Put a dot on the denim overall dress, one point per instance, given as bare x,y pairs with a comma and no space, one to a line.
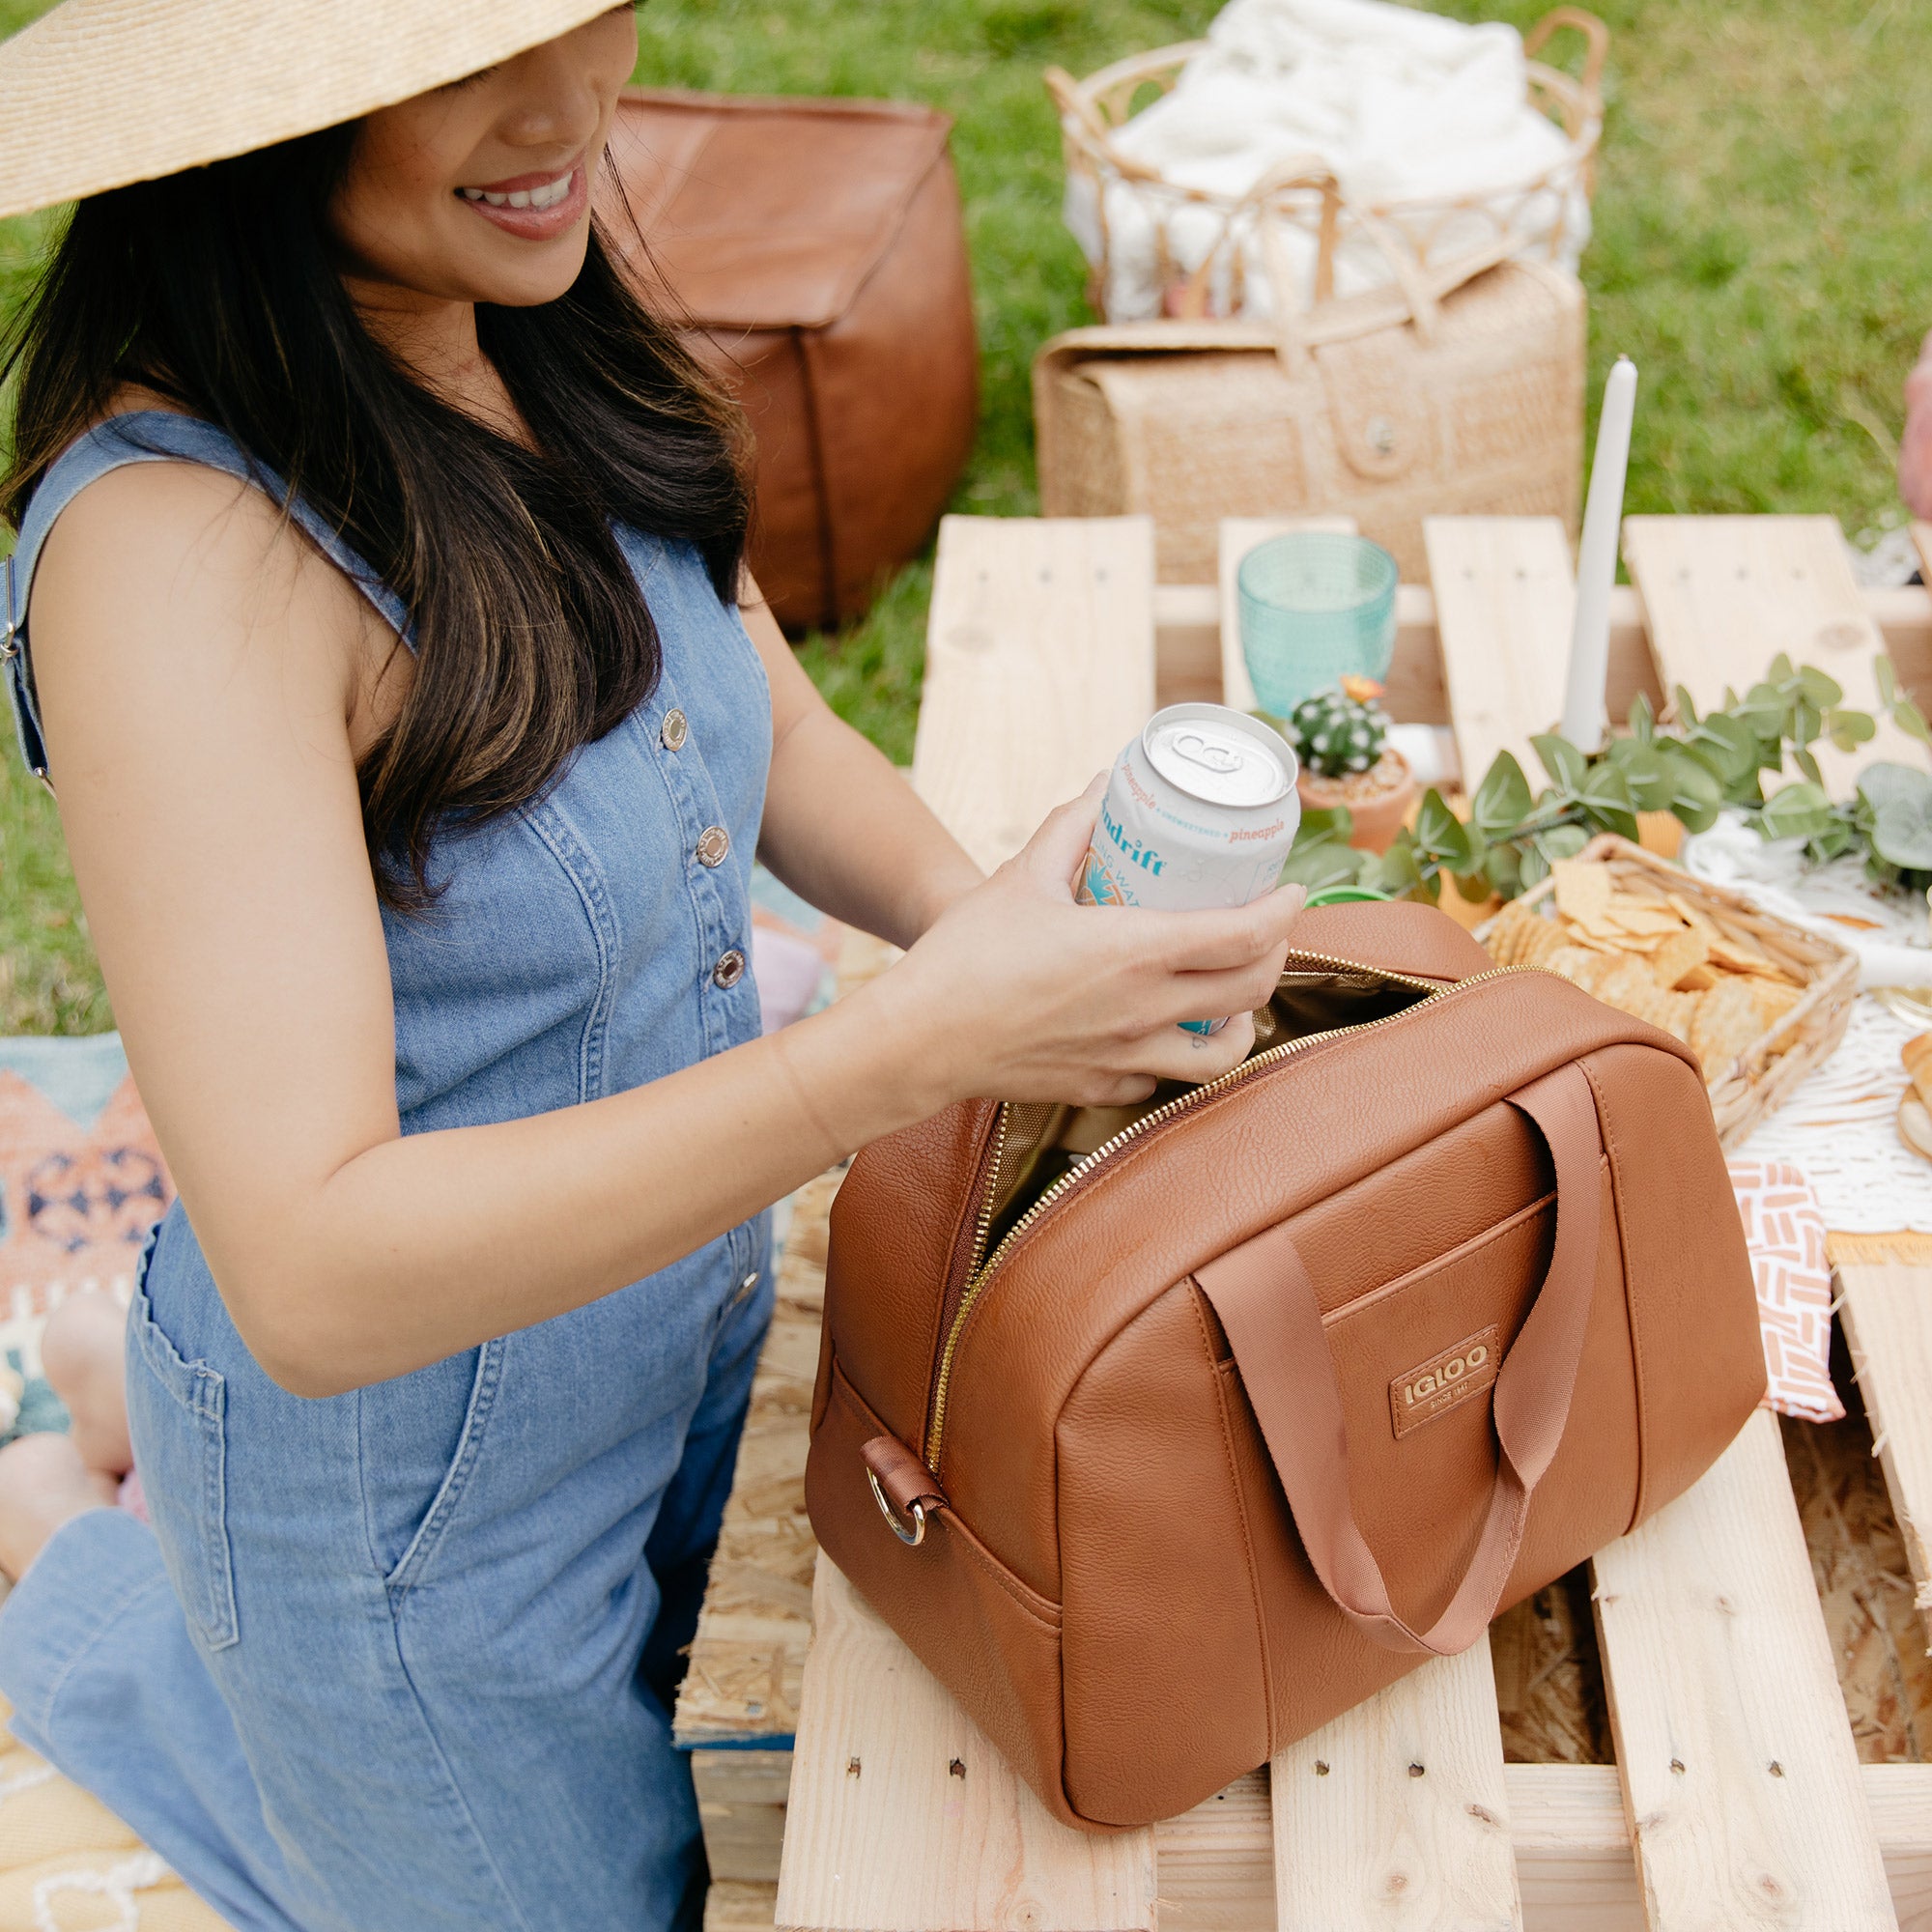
398,1660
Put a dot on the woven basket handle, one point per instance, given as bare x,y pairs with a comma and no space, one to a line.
1593,31
1291,343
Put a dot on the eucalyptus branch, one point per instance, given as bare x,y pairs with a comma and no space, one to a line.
1690,765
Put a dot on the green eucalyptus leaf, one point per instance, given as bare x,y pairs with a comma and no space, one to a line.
1685,708
1807,763
1900,802
1910,719
1642,719
1560,841
1796,812
1849,729
1473,887
1504,798
1335,822
1606,797
1566,765
1886,680
1440,834
1780,669
1820,691
1502,867
1533,869
1322,863
1807,721
1729,746
1695,795
1646,766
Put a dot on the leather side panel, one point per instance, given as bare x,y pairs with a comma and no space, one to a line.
899,1222
1166,1699
898,392
977,1628
1402,937
1692,1304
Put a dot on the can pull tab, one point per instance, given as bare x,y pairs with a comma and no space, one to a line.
1200,749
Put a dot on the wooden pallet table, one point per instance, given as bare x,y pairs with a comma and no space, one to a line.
1737,1799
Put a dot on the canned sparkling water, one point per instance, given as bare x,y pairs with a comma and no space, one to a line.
1200,811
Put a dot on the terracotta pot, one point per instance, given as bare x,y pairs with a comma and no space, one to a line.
1379,799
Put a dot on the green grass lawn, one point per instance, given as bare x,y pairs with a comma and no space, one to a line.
1764,250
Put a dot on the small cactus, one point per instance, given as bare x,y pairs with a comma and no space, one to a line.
1340,731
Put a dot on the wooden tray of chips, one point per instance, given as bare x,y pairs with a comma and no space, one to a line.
1760,1001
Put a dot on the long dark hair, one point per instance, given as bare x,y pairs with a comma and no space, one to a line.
217,289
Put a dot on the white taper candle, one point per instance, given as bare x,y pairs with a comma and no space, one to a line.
1586,717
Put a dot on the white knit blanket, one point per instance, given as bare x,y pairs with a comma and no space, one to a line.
1400,104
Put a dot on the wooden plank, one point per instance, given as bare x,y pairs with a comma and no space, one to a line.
1215,1865
1238,537
1505,602
1740,1774
1886,1312
1038,667
904,1819
1725,594
737,1906
1396,1814
1187,617
741,1810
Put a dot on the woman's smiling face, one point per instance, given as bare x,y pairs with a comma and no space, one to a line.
481,191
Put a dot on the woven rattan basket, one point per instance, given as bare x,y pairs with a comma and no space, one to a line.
1092,111
1759,1079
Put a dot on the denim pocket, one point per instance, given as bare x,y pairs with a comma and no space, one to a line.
185,1474
484,1383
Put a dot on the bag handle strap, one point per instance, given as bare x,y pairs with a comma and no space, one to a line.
1272,1317
1265,199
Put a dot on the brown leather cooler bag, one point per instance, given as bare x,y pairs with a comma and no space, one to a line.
818,249
1299,1378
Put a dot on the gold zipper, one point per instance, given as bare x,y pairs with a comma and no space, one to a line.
978,1272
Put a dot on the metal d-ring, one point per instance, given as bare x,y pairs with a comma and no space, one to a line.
911,1538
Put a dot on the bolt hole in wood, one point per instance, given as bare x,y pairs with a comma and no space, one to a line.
1549,1669
956,1768
1415,1770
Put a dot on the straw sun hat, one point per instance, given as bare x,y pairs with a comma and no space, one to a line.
100,93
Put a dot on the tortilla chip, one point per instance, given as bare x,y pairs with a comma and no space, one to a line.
1579,967
1642,916
1678,956
1582,889
1726,1024
1772,999
1694,917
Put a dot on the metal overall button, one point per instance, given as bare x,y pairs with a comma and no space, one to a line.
714,842
729,971
676,730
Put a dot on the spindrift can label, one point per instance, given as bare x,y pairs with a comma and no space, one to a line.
1200,811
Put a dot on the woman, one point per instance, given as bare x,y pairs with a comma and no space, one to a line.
380,561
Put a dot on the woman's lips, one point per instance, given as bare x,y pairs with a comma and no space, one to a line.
552,203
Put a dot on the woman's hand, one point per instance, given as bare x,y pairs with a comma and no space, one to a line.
1019,992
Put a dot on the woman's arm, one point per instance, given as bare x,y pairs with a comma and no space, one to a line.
842,829
204,676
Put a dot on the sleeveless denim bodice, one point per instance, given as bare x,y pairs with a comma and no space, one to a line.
574,950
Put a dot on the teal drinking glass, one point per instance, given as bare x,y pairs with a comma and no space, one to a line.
1315,607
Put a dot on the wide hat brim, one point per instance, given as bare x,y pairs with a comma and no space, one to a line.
100,93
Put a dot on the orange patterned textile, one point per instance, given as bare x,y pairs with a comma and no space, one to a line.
1785,1229
81,1177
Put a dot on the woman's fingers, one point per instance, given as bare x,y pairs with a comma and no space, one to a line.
1231,937
1176,1054
1053,854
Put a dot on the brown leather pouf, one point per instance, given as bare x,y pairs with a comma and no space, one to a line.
818,247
